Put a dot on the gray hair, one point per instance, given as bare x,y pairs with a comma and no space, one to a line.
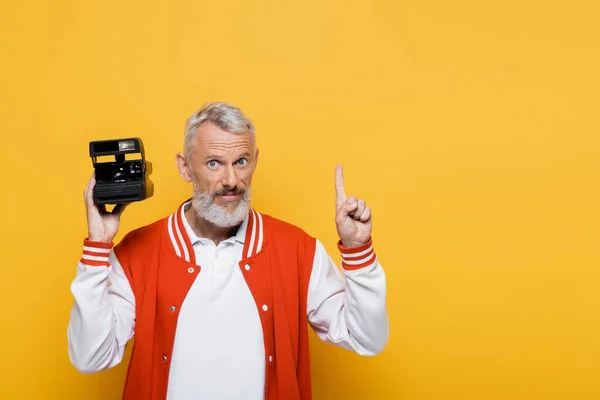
223,115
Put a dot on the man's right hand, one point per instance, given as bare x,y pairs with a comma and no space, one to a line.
102,225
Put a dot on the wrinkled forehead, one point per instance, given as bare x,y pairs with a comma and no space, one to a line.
212,139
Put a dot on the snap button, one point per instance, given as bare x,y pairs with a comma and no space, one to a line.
264,307
164,357
247,267
270,358
173,308
191,270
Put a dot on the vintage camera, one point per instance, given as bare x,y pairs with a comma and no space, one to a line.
122,171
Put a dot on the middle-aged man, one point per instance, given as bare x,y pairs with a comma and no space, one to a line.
218,294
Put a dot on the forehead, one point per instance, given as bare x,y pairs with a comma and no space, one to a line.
211,138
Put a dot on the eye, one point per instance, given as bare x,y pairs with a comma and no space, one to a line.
242,162
212,164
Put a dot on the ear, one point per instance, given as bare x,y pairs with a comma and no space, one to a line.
256,158
184,168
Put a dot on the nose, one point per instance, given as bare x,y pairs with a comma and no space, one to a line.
230,178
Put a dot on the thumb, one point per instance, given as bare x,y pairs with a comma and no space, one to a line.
344,211
88,193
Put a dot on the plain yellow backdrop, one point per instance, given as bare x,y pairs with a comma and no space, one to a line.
470,127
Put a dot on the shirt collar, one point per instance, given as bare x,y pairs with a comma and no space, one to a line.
239,237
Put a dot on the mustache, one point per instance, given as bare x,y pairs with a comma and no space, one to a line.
223,192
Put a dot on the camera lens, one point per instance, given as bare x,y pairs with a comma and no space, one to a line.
119,172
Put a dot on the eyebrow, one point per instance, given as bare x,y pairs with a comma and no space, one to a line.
216,157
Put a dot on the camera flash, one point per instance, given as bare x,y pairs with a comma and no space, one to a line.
126,145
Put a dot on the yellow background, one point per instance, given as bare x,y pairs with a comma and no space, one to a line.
470,127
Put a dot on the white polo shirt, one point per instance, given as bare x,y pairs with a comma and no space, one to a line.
218,351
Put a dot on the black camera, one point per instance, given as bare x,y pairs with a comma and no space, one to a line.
122,171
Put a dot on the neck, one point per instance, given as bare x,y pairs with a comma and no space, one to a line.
205,229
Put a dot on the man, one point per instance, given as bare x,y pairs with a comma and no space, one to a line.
218,294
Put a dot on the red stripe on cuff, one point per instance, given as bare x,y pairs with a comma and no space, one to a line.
348,251
93,263
95,254
352,267
358,258
99,245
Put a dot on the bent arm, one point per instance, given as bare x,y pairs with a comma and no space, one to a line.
102,318
349,309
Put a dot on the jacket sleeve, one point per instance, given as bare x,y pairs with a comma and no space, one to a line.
348,308
102,318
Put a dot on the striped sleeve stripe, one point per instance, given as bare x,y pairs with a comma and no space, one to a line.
94,258
91,263
348,253
358,261
357,257
96,254
95,250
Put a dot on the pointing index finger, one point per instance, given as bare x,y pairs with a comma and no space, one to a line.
340,193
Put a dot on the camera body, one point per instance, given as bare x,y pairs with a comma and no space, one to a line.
121,170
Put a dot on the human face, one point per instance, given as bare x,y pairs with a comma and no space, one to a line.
221,169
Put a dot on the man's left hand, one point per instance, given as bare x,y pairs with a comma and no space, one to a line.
353,217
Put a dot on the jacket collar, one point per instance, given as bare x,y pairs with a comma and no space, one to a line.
251,234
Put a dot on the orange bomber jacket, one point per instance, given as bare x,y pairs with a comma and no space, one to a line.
277,260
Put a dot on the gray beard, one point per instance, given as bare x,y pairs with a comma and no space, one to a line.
205,207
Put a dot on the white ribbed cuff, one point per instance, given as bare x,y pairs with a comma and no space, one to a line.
358,257
95,254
